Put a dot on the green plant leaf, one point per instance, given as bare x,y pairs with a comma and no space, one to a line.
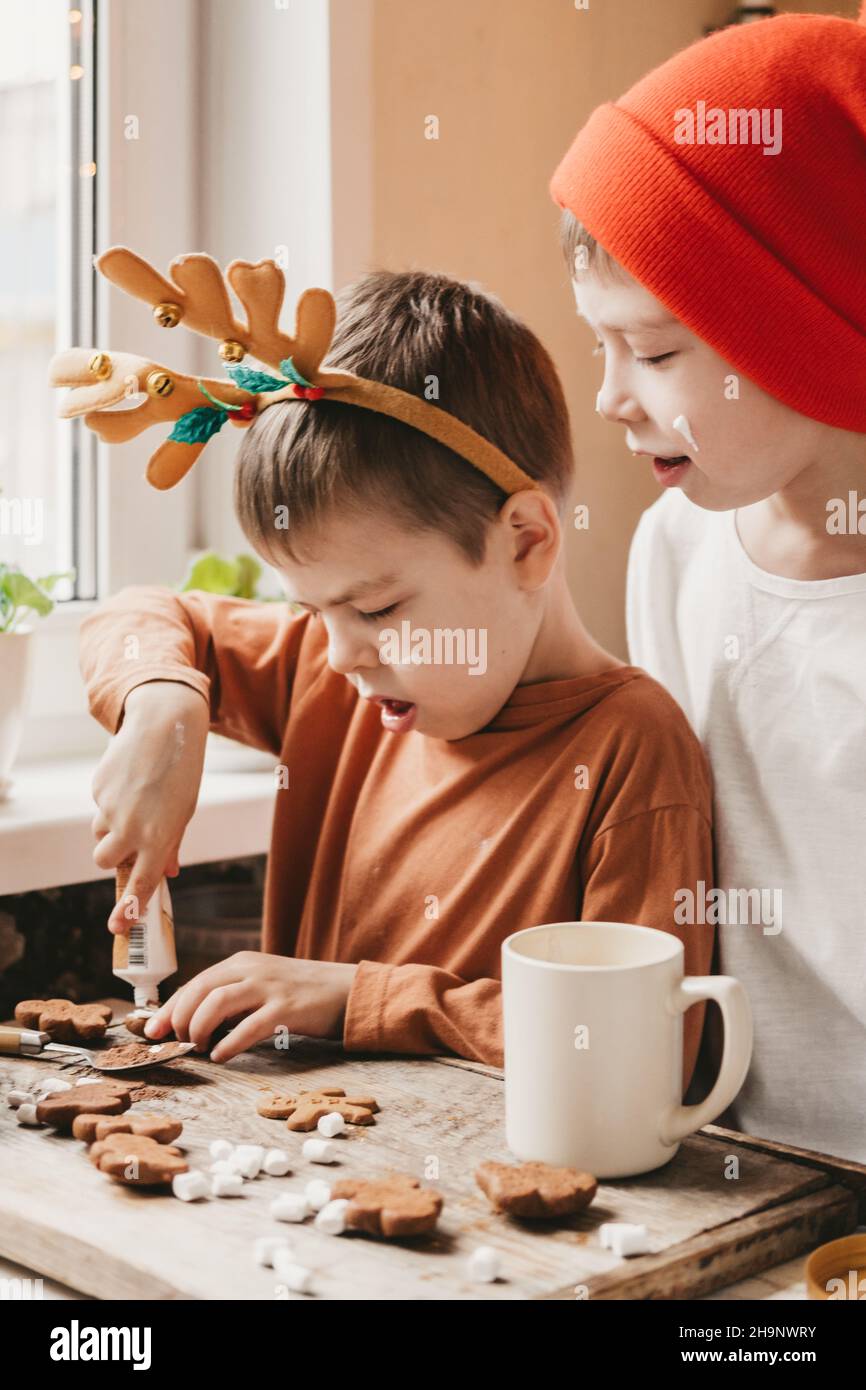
249,574
22,593
50,581
214,574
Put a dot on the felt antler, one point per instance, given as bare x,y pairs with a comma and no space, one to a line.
99,382
196,295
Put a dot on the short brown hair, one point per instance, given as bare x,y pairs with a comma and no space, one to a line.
572,236
406,328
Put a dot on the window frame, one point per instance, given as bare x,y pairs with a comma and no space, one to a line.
149,64
134,535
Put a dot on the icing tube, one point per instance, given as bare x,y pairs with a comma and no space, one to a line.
145,955
682,426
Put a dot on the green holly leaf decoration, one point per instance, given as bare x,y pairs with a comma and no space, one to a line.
250,379
198,426
290,371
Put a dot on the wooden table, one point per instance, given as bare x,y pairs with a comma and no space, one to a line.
439,1118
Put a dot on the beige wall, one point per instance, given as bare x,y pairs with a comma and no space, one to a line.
510,82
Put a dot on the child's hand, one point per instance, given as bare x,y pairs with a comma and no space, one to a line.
146,787
265,992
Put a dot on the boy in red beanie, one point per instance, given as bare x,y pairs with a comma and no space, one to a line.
714,226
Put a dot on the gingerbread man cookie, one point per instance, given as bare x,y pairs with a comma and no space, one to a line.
159,1127
537,1191
304,1110
392,1206
62,1108
63,1020
137,1159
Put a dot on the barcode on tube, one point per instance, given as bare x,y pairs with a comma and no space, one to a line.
137,946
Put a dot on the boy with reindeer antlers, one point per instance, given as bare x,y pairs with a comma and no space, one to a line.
432,802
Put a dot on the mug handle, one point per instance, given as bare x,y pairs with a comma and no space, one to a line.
733,1001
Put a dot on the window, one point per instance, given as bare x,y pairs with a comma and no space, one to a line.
47,201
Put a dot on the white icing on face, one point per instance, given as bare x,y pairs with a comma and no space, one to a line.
597,406
682,426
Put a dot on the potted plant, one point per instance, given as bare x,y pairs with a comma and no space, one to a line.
20,598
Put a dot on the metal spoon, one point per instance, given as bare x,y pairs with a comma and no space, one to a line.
28,1042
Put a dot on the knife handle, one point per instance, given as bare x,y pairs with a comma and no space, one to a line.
22,1041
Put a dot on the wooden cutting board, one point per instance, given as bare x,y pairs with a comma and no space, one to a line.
439,1118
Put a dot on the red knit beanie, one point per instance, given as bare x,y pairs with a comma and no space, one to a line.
762,255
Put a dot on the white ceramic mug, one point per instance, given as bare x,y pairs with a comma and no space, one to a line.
593,1032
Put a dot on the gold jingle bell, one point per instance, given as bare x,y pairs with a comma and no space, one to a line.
158,384
100,365
168,315
231,351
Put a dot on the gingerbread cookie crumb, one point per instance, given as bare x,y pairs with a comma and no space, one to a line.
131,1054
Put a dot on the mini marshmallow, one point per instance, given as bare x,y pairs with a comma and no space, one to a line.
277,1163
247,1159
88,1081
266,1247
623,1238
483,1264
223,1166
682,426
220,1149
319,1150
292,1206
26,1114
227,1185
317,1193
332,1218
294,1276
331,1124
16,1098
51,1084
189,1187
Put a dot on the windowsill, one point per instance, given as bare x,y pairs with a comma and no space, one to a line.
45,835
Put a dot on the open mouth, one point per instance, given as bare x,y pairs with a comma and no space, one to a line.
397,715
668,471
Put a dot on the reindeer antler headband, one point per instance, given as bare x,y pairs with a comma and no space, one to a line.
196,295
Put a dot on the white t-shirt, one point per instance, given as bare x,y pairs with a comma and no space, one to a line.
772,674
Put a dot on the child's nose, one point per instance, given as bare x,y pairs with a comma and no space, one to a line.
348,653
615,403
